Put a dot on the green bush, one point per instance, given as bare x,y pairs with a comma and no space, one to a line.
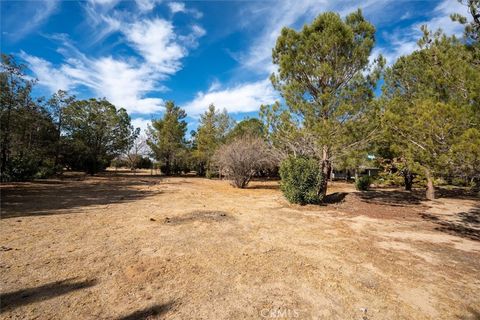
210,174
460,182
301,180
363,183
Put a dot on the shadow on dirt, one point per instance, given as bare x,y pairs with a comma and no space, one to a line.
467,224
471,217
473,315
391,198
12,300
148,313
264,187
336,197
55,196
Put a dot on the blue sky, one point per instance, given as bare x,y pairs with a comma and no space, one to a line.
139,54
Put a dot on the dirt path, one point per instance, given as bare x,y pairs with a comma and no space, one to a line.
145,248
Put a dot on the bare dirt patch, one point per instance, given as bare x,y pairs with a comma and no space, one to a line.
141,247
198,215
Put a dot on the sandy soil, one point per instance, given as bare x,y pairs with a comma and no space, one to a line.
140,247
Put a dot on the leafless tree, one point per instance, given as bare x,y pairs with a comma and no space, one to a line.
242,158
138,150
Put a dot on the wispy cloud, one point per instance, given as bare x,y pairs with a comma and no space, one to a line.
51,77
245,97
27,16
403,41
121,82
128,81
288,13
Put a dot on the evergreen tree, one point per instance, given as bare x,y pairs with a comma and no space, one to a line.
252,127
211,133
431,99
167,139
323,76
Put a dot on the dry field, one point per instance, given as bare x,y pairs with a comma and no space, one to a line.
140,247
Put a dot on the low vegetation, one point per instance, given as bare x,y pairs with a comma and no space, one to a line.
363,183
301,180
241,159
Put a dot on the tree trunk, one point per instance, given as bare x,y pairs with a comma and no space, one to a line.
326,167
430,194
329,175
5,145
408,179
57,146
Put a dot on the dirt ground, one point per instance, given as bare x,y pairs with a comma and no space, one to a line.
140,247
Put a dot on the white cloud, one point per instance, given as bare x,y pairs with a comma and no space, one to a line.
156,41
48,76
126,82
141,123
147,5
104,2
176,7
121,82
14,24
404,41
245,97
289,13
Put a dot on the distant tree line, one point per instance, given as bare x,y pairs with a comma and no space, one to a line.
40,137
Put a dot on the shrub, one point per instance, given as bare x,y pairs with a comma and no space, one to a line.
243,158
301,180
210,174
363,183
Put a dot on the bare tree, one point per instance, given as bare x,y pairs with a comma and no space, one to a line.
138,150
242,158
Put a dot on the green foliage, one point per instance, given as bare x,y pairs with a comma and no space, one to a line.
432,109
252,127
210,174
96,132
472,27
465,156
327,84
56,105
301,180
211,133
363,183
27,133
167,140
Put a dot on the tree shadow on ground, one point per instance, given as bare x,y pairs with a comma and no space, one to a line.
473,314
147,313
55,197
456,193
466,226
15,299
336,197
391,198
264,187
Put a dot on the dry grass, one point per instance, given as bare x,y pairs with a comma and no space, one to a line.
141,247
